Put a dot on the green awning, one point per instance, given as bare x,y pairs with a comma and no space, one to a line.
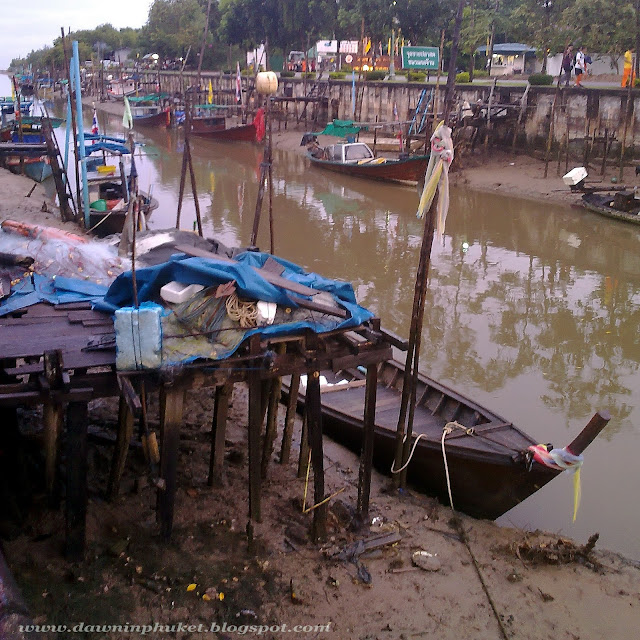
340,128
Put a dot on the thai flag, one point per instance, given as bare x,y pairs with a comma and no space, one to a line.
238,84
94,124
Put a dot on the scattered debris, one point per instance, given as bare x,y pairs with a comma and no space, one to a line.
560,551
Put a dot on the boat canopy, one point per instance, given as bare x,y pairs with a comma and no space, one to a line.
340,128
151,97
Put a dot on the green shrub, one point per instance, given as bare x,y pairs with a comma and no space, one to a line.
462,77
247,72
309,74
347,68
480,73
416,76
287,74
637,82
402,72
337,75
375,75
540,79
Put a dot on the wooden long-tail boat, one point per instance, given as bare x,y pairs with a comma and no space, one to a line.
605,205
357,159
491,468
149,111
214,127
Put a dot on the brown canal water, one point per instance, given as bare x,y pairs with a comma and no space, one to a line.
533,309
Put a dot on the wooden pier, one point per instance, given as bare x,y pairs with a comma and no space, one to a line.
61,357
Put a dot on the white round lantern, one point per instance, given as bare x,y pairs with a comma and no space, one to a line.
267,83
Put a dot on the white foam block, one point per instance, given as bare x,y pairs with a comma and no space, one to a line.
139,337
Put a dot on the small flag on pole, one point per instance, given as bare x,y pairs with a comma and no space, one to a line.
127,118
210,94
94,124
238,84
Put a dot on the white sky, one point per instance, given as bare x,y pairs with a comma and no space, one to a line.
28,25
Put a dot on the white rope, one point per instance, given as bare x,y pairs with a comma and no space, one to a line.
446,430
406,464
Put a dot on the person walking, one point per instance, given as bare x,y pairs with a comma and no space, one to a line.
567,64
580,66
628,74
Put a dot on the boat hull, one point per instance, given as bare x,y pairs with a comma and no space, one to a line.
160,119
242,133
602,204
403,170
488,471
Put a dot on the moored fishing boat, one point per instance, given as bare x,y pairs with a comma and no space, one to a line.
619,206
491,465
150,110
357,159
215,127
109,185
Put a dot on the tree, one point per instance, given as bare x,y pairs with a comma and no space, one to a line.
173,26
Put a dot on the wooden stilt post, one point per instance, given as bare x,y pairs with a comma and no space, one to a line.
255,424
303,456
125,432
171,401
76,500
627,118
314,421
272,420
287,434
52,418
552,119
366,457
218,432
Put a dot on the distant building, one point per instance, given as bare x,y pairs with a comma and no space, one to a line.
510,58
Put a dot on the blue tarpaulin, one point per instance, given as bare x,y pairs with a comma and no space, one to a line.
249,283
53,290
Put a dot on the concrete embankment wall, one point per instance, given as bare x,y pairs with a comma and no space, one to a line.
582,113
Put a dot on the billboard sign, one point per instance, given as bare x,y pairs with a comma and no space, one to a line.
420,58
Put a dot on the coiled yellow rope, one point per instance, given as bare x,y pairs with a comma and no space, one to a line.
244,312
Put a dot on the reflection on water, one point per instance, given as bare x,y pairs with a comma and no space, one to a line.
532,309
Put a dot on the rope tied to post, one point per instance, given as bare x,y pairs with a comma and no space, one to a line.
449,428
437,174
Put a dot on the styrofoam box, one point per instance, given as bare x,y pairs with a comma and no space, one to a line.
574,176
139,337
177,292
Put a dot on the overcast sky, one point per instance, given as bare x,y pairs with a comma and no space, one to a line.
33,24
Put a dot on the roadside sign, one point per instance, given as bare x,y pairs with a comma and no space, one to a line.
420,57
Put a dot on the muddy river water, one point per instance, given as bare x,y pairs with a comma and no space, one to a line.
533,309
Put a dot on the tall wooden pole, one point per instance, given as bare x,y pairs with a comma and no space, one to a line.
627,117
451,78
204,40
413,354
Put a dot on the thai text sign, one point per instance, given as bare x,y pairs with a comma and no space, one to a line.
420,57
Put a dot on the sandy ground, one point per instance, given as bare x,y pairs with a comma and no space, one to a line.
479,581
